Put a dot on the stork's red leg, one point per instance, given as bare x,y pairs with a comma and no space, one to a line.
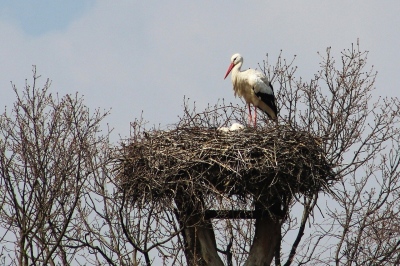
255,116
250,118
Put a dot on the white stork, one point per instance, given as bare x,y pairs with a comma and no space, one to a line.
254,87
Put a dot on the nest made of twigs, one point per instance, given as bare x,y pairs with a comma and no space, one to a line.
201,160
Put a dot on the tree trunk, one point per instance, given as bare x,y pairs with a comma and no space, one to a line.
266,238
198,235
205,234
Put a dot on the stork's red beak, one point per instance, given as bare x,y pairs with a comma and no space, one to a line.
229,70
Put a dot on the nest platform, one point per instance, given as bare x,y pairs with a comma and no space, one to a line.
267,162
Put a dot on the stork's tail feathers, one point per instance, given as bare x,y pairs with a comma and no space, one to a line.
268,106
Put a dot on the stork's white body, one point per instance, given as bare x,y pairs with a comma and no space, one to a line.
248,83
253,86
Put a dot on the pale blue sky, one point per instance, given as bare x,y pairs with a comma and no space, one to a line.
134,55
42,16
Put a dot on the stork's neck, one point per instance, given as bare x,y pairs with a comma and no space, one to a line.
236,70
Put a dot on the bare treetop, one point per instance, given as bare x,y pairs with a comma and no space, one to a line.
320,188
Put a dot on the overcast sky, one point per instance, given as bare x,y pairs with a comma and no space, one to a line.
135,55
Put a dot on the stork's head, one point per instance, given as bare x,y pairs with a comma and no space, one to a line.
235,59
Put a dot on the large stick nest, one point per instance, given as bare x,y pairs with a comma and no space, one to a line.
195,158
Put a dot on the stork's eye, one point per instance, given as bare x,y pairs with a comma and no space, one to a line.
234,59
